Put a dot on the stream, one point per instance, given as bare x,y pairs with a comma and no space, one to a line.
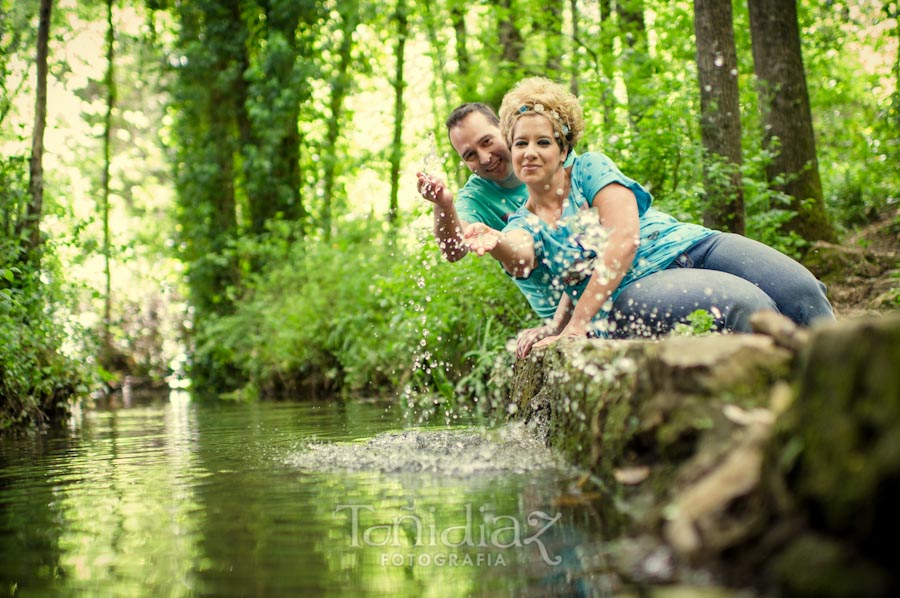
174,498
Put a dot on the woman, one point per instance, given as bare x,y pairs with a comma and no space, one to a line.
609,264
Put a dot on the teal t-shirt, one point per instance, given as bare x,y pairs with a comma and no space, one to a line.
482,200
566,255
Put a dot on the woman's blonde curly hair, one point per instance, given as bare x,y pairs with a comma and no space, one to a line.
543,96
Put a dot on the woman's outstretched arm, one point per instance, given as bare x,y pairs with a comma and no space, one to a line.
513,249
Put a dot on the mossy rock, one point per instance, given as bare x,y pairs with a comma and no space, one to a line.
837,448
608,399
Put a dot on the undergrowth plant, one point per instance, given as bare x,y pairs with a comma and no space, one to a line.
368,313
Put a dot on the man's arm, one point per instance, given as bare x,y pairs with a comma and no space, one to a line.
447,225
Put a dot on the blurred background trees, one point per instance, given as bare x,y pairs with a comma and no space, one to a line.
239,188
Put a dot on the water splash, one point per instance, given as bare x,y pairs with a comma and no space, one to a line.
512,448
431,160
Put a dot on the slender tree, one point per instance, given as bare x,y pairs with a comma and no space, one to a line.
892,11
399,85
607,61
464,77
720,121
271,89
784,102
35,207
506,66
635,62
443,97
105,175
550,22
574,66
510,38
341,85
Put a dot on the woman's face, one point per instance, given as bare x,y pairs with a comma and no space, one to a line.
536,154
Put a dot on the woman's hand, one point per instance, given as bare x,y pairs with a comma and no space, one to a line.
481,238
569,331
528,337
433,189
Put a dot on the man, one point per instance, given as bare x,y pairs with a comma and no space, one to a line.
491,193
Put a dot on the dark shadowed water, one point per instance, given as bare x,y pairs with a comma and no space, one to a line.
175,498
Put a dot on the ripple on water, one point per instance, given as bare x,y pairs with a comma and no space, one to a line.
512,448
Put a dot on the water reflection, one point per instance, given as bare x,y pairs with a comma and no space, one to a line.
175,499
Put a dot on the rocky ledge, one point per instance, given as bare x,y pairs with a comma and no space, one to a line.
770,459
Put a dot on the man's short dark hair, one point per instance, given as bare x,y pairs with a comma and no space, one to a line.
464,110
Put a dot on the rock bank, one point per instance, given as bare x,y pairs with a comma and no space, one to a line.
769,459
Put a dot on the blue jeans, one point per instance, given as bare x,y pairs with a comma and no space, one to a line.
728,275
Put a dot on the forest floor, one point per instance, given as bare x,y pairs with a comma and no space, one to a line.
862,273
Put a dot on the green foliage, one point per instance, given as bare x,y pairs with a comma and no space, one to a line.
699,323
262,123
38,383
366,313
858,139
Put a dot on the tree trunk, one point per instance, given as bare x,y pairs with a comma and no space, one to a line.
107,137
464,66
551,24
607,64
273,176
893,12
399,85
720,121
635,58
575,72
507,66
511,42
340,87
35,208
784,103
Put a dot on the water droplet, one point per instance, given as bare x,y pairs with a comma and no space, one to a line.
431,158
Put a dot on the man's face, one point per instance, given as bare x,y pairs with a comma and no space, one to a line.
479,144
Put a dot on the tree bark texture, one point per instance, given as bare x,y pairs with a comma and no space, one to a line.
550,22
575,72
107,159
635,63
464,66
784,102
340,87
35,208
720,120
399,85
607,63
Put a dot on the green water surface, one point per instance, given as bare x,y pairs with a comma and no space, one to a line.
174,498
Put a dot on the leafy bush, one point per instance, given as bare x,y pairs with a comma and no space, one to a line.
38,383
364,313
